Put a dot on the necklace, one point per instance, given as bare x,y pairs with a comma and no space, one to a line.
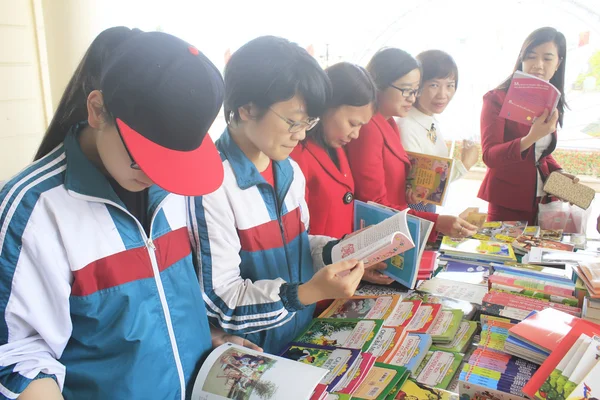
431,132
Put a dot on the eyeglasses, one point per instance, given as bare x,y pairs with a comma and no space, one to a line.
408,92
297,126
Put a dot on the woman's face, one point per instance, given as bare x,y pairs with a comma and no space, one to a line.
542,61
342,124
436,95
397,99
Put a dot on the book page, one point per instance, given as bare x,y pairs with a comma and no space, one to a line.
235,372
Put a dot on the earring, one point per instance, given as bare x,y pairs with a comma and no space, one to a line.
230,120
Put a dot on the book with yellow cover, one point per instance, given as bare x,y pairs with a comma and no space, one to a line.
480,250
429,177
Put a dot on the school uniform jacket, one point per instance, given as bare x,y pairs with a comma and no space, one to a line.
329,189
87,298
380,166
511,178
254,249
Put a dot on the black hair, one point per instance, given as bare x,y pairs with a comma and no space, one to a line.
436,64
536,38
72,107
352,86
390,64
270,69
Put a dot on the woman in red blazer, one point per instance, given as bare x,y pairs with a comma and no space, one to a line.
329,182
519,156
377,158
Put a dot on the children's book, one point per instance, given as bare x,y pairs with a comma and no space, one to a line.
589,387
445,326
479,250
454,290
380,381
524,243
461,340
502,231
544,329
438,368
527,98
403,314
348,333
429,177
337,361
424,318
417,391
236,372
412,351
357,374
362,307
386,343
403,267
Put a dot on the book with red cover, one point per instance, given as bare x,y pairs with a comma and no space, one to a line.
527,97
538,379
544,329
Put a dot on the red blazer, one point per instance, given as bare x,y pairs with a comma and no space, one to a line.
511,178
329,190
380,165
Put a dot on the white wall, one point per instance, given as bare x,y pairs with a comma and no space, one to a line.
22,105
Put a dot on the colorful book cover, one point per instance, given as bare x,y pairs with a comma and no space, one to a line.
429,177
504,231
551,274
357,374
337,360
454,290
424,318
469,309
586,362
412,390
412,351
478,249
589,387
445,326
532,231
379,382
386,342
555,383
362,307
530,283
527,98
544,329
348,333
551,234
438,368
461,340
524,243
403,314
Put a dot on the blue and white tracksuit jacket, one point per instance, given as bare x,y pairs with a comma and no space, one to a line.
86,297
254,249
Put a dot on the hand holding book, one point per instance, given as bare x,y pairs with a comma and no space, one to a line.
334,281
542,126
455,227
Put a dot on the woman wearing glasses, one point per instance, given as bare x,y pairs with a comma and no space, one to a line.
377,158
421,129
257,261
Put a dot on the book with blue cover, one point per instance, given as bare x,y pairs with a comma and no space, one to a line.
403,268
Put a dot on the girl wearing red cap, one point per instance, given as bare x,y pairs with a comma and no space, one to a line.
100,299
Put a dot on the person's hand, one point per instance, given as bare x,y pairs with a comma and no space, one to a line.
469,154
412,197
220,337
373,274
335,281
570,176
544,125
455,227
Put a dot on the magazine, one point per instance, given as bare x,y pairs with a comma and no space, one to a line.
429,177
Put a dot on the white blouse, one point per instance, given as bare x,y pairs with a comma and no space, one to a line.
413,133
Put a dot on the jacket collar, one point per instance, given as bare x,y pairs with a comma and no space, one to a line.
391,136
245,171
343,175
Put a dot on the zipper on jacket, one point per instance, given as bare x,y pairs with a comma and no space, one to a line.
149,244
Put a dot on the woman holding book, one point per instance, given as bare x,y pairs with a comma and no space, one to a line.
518,156
421,131
261,271
321,156
378,160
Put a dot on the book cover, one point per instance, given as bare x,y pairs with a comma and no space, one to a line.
469,310
417,391
544,329
412,351
478,249
558,275
586,362
386,343
589,386
438,368
551,234
337,360
403,313
348,333
429,177
527,97
461,340
379,382
356,375
530,283
362,307
445,326
503,231
424,318
524,244
454,290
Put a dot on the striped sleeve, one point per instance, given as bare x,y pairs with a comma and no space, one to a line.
239,305
34,285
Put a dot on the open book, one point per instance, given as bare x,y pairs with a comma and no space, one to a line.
387,237
527,97
404,266
429,177
235,372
